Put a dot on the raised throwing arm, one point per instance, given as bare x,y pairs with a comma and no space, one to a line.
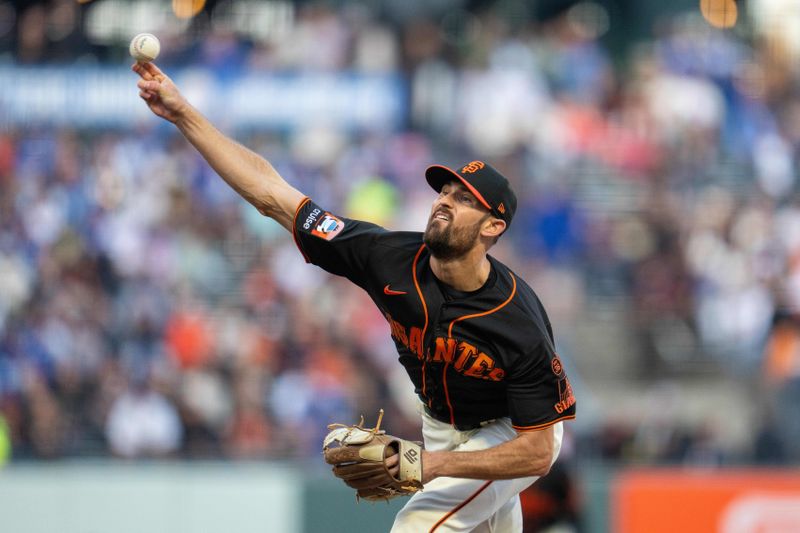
249,174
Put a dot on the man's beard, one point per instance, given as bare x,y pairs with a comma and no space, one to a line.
447,243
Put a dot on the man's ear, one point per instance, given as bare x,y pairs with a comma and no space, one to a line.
493,227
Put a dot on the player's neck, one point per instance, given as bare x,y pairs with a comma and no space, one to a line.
466,273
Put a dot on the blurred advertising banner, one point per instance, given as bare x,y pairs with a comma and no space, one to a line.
706,501
84,96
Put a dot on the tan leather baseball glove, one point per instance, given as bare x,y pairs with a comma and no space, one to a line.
359,455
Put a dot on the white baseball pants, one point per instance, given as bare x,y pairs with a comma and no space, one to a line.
467,505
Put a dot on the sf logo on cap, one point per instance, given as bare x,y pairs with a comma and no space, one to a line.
474,166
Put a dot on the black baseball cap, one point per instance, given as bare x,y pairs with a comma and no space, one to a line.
487,185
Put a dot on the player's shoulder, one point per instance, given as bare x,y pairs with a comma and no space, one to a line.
394,248
401,240
525,308
524,295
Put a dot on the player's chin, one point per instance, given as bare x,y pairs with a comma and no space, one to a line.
432,232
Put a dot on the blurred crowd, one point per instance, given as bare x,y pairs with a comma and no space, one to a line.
146,311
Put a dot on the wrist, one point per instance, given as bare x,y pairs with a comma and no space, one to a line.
431,464
185,116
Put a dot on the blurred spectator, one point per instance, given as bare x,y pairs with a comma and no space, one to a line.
550,503
46,424
248,433
143,423
782,383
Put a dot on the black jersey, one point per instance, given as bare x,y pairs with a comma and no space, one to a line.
471,356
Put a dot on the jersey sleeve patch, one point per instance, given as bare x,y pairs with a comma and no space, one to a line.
327,227
339,245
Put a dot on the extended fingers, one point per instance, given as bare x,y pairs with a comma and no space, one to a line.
393,465
139,69
153,70
148,85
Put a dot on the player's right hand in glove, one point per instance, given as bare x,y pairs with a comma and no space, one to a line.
377,465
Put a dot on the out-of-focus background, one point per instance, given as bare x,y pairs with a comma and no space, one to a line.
168,362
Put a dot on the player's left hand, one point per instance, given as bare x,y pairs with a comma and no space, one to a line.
377,465
392,463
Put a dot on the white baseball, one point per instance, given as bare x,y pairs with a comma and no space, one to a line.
144,47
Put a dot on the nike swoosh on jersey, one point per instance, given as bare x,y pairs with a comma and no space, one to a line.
390,292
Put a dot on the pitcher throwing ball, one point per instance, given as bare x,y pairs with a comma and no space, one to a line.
473,337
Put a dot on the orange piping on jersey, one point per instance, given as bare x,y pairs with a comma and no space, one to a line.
303,202
447,394
465,317
489,312
542,426
424,309
459,506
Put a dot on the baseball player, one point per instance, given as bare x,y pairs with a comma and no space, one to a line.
473,337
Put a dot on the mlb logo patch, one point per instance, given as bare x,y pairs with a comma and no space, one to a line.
328,227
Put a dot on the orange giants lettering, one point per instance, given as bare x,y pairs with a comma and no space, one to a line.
566,398
483,365
411,338
398,330
473,166
416,341
445,348
466,350
467,359
496,375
